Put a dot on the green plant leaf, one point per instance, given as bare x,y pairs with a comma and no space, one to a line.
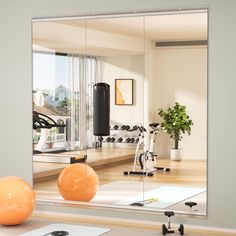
176,121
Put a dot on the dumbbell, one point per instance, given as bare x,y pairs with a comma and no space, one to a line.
123,127
127,127
132,140
108,139
127,140
120,140
115,127
112,140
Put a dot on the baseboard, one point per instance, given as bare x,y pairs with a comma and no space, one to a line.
212,229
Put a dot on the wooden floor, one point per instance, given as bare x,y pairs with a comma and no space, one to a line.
184,173
110,163
96,157
191,173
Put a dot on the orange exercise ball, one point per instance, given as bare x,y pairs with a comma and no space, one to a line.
17,200
78,182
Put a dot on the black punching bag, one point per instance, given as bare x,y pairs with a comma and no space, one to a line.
101,109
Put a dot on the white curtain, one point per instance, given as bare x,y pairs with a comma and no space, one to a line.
82,77
90,81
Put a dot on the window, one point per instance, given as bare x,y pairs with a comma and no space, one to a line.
62,92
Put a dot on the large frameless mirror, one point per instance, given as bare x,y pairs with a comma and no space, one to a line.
152,71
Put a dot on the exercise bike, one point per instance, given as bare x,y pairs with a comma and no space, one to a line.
45,123
146,160
168,229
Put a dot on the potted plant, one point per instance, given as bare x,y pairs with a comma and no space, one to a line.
51,137
176,122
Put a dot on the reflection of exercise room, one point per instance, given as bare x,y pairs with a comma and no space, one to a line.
126,96
117,118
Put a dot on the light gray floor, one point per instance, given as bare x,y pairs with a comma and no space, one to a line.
113,192
200,199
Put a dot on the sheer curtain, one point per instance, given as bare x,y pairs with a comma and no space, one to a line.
82,77
75,75
90,81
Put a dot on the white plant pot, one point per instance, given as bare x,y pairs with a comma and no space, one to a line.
176,154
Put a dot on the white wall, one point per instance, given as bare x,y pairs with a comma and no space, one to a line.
125,67
180,75
45,34
16,95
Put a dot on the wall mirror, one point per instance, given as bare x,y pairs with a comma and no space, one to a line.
155,157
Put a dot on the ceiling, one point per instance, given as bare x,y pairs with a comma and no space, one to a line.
159,27
70,35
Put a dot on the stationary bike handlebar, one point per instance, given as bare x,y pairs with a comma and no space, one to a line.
43,121
142,129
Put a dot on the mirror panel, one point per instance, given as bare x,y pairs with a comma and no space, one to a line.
57,79
176,70
150,63
118,45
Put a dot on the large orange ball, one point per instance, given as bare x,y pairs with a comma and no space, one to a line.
17,200
78,182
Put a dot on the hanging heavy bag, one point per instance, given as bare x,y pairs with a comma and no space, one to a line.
101,109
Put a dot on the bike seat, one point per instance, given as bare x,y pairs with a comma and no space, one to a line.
154,125
169,213
190,204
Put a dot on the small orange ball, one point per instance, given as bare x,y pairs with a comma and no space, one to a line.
17,200
78,182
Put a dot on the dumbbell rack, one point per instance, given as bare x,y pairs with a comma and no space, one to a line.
122,133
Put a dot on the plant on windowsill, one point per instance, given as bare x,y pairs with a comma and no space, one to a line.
176,122
51,137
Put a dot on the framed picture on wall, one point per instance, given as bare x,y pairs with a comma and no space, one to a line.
124,91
